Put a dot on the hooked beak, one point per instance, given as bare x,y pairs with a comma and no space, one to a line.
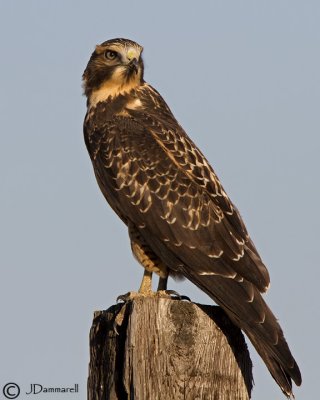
133,65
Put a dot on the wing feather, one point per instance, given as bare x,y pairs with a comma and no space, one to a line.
154,177
164,195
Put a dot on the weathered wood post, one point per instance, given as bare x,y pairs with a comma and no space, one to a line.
167,350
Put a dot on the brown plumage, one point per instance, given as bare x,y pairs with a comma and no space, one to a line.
180,219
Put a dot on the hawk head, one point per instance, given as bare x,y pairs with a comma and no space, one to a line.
115,67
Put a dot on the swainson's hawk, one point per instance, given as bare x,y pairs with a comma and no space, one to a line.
180,220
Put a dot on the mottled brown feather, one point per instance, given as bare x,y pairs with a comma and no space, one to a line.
159,183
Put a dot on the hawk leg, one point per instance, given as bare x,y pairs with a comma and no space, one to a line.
146,283
163,282
149,260
151,263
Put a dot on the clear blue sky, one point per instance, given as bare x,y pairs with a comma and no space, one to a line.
242,77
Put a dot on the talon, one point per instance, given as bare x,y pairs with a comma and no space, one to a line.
124,297
127,297
172,294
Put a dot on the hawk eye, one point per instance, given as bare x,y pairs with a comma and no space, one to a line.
110,55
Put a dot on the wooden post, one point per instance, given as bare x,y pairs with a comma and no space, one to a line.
167,350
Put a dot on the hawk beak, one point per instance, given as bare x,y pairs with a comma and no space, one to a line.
134,65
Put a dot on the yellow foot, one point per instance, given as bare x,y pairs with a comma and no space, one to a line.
133,295
168,294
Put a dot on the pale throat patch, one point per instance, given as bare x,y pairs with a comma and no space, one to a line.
114,86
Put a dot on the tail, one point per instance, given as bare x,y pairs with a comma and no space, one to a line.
279,361
245,306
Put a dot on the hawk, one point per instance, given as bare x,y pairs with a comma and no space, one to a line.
180,220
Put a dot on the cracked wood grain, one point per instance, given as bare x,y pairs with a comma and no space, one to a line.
167,350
